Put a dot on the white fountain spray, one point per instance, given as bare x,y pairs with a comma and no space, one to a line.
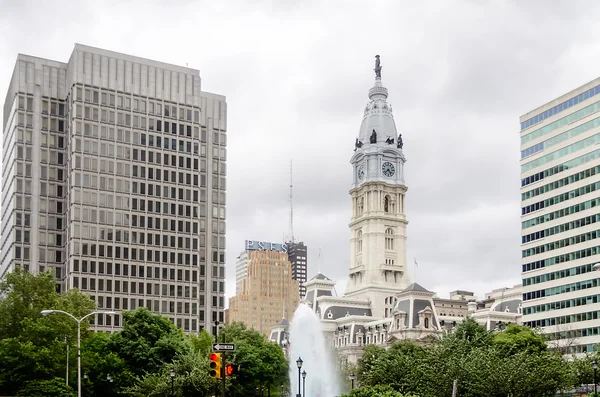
308,342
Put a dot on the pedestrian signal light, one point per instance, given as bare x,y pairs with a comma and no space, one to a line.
231,369
215,365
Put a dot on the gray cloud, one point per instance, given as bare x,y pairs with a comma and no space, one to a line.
296,76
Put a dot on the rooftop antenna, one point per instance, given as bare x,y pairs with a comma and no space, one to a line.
291,225
319,262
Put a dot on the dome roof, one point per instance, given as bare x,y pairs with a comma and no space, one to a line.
377,116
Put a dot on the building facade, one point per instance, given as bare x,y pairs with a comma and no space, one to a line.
297,253
560,180
114,178
267,293
241,264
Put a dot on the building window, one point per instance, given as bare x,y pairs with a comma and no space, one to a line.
389,239
359,241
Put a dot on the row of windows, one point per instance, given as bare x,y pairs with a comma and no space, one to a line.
592,140
562,289
570,318
574,333
588,220
561,182
564,304
586,158
90,163
137,104
586,205
557,275
580,238
560,107
133,287
571,256
561,137
586,111
118,269
140,254
592,187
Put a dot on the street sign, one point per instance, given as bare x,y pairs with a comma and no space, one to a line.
223,347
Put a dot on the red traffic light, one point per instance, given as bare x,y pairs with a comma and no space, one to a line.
213,357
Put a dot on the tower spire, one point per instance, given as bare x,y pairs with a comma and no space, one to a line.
291,225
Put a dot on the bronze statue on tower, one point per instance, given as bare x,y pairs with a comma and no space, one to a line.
377,67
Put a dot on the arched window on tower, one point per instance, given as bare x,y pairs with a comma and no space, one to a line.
388,205
361,205
389,238
359,241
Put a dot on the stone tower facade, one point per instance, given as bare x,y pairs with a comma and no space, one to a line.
378,265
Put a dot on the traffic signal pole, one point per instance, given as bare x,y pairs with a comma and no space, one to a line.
223,373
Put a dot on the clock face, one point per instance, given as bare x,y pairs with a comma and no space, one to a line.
388,169
361,172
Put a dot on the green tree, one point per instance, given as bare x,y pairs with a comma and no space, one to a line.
262,364
202,342
32,346
54,387
519,338
191,378
101,364
376,391
147,341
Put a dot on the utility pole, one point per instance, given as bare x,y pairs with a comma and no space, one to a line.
454,387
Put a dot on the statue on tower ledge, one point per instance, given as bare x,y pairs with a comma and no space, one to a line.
358,144
377,67
400,143
373,138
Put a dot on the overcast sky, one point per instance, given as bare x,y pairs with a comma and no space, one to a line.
296,76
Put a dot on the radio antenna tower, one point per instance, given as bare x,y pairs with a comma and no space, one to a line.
291,225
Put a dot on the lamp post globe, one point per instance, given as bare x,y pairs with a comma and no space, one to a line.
352,377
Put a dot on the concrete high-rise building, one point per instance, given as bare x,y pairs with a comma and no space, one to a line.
267,293
114,177
560,184
297,253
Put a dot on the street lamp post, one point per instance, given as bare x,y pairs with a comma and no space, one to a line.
303,383
299,364
352,377
46,312
172,382
595,366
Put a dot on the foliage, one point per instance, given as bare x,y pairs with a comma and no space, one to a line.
485,364
262,364
191,378
54,387
376,391
519,338
147,341
139,358
33,346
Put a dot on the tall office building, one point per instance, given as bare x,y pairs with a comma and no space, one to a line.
560,183
297,253
114,177
241,264
267,293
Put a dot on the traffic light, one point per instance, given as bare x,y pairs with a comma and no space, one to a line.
215,365
231,369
